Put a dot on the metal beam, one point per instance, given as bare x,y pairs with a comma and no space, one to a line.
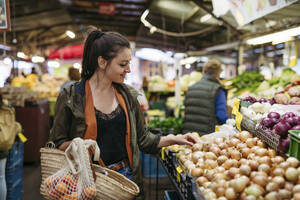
191,14
200,3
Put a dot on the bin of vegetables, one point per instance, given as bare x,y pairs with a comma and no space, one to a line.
294,148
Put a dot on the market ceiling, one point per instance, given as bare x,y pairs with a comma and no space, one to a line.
38,26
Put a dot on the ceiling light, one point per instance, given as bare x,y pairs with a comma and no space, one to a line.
274,36
7,61
54,64
188,60
188,66
70,34
205,18
37,59
282,40
22,55
77,65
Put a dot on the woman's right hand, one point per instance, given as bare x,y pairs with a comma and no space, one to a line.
64,145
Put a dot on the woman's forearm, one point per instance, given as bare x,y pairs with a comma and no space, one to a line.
166,141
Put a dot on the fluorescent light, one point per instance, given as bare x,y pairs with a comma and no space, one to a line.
274,36
22,55
282,40
205,18
54,64
7,61
37,59
70,34
188,60
77,65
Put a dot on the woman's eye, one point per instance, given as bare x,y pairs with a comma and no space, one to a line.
123,65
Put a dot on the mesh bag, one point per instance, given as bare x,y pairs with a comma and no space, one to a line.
75,179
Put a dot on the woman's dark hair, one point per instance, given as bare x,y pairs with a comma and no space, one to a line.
97,44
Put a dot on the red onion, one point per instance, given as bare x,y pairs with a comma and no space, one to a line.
297,127
268,122
274,115
281,128
284,144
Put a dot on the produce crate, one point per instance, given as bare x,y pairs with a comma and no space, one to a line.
294,148
14,171
268,137
248,124
171,195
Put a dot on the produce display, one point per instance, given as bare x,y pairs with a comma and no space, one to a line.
169,124
240,167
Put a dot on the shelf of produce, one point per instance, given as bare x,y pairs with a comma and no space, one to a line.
187,188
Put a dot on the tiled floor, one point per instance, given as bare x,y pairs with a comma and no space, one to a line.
32,179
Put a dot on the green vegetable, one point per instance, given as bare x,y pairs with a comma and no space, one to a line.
169,124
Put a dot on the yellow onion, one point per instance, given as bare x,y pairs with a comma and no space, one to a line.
291,174
211,164
245,170
277,160
228,164
201,180
244,135
278,172
284,194
271,196
250,142
197,147
260,180
260,143
220,169
220,191
221,159
224,152
289,186
296,189
251,156
235,154
215,149
233,142
243,161
271,153
261,152
196,156
233,171
253,164
219,140
293,162
223,145
239,184
296,196
241,146
284,165
265,160
245,152
196,172
272,186
230,194
264,168
279,180
210,155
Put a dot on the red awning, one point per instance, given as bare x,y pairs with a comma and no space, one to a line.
68,52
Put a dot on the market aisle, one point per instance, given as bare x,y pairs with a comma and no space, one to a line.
32,179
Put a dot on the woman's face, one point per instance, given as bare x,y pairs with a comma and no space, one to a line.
119,66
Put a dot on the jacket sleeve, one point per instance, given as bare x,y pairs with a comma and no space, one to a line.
62,120
147,141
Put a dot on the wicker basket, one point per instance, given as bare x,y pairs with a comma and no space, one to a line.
110,186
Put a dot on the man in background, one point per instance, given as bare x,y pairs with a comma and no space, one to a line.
205,101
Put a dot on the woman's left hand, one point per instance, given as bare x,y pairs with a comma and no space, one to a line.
186,139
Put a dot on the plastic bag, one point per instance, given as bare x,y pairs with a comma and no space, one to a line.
75,180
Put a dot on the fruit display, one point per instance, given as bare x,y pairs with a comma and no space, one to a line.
240,167
66,188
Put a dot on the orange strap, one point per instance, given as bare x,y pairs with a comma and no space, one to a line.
91,123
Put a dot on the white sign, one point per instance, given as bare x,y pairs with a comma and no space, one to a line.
246,11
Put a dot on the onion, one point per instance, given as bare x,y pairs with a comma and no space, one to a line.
279,180
234,142
272,186
277,160
274,115
289,186
261,152
241,146
224,153
243,161
250,142
201,180
271,196
267,122
253,164
230,193
220,169
253,149
297,127
222,198
261,144
210,155
296,196
260,180
245,152
292,174
244,136
284,194
254,190
265,160
221,159
284,144
293,162
223,145
234,171
239,184
235,154
188,163
245,170
271,153
219,140
251,156
284,165
264,168
196,156
296,189
281,128
215,149
220,192
250,197
210,195
278,172
211,164
219,176
196,172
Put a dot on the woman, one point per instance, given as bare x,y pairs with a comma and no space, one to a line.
102,108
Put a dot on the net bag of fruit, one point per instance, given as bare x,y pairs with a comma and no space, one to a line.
75,179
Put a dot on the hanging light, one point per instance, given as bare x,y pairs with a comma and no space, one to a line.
37,59
22,55
70,34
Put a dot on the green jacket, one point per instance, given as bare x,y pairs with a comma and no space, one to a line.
69,122
200,112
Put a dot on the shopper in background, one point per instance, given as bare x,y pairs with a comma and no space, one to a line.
74,75
205,101
3,158
102,108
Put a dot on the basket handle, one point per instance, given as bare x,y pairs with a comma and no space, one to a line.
50,145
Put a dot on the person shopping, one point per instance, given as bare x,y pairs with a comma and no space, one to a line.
103,108
205,101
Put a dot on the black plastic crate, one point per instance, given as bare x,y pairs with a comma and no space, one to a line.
14,171
171,195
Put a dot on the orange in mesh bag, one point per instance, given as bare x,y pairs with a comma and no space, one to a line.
75,180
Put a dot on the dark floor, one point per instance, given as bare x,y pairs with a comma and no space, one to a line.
32,179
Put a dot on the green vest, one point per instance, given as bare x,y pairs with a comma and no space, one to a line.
200,112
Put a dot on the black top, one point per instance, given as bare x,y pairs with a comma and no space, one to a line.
111,135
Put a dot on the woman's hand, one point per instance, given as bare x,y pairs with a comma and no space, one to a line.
64,145
186,139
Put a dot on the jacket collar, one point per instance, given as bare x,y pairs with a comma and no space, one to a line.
210,78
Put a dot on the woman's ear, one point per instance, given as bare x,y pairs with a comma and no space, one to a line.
102,62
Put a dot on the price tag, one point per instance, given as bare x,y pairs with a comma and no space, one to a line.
22,137
236,106
179,170
217,128
163,153
238,120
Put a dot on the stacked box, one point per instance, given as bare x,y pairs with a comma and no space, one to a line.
14,171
